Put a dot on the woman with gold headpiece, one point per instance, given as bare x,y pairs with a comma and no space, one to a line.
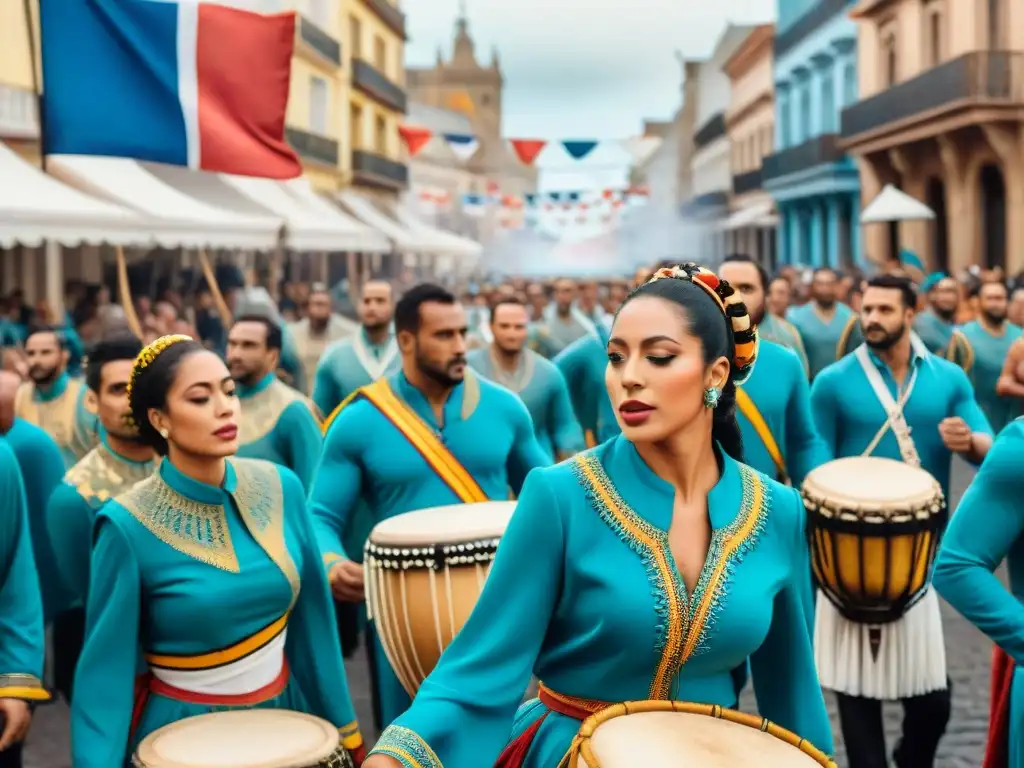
205,577
664,562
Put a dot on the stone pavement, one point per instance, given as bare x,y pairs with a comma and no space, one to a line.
967,651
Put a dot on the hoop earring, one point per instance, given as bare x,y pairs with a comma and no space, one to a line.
711,396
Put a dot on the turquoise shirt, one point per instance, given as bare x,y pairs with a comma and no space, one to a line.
343,368
279,424
291,360
583,365
988,529
935,332
181,568
71,513
597,609
987,354
22,642
848,415
825,342
61,412
42,467
543,390
783,332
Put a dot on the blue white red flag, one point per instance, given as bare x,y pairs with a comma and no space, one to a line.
183,83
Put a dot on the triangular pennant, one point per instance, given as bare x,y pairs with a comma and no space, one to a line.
462,145
527,150
579,149
415,137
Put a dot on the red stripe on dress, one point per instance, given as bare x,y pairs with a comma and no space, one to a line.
259,696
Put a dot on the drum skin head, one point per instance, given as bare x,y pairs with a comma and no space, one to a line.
690,741
443,525
871,483
253,738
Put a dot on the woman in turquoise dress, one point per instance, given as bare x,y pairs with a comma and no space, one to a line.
207,589
665,563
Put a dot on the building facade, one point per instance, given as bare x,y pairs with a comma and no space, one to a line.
941,116
815,185
750,124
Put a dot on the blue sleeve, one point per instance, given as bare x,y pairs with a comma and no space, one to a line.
567,434
75,347
462,715
290,361
299,431
825,413
326,393
987,524
338,484
572,363
527,452
965,404
22,644
785,678
69,523
101,712
805,450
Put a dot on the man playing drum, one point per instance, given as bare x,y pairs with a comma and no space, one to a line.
893,399
432,434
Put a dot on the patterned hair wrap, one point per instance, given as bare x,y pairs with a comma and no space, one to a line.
744,331
146,357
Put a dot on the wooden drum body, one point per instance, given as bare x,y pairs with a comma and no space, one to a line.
424,573
674,734
251,738
874,525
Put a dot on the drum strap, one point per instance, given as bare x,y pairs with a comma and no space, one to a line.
749,409
894,410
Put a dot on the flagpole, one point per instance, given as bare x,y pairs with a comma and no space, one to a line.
37,91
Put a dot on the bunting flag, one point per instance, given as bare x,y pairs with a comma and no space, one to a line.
527,150
462,145
416,137
579,149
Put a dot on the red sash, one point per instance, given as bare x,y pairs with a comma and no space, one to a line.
997,750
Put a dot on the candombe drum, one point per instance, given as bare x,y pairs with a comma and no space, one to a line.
874,526
252,738
675,733
424,573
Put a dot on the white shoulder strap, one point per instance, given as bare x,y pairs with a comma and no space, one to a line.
893,410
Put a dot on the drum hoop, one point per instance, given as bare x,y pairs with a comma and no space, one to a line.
433,556
581,744
873,515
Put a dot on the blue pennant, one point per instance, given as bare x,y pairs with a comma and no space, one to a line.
459,138
579,149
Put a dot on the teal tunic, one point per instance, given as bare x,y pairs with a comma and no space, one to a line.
935,332
61,412
825,342
22,644
542,388
279,424
343,368
291,360
987,529
71,513
583,365
597,609
987,354
367,459
180,568
783,332
42,467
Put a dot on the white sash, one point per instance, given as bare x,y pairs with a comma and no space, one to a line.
374,368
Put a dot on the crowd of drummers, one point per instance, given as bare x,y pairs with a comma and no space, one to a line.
524,503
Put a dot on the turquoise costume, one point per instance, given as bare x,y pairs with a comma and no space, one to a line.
194,577
542,388
62,414
986,354
823,342
583,364
987,529
780,331
22,643
279,424
350,364
366,458
601,612
71,513
935,332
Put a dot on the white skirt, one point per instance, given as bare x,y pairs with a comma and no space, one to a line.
911,657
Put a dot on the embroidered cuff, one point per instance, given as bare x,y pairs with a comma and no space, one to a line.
27,687
331,558
406,747
351,738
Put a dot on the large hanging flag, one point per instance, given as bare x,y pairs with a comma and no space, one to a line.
182,83
416,137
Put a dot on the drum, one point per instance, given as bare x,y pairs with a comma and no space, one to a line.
424,572
675,733
873,527
248,738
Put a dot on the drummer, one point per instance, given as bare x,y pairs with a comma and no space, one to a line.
432,434
934,415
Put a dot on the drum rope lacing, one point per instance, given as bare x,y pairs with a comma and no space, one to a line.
435,557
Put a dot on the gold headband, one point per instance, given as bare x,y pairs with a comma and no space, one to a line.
146,357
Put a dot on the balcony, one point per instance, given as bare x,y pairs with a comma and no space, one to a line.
821,12
374,83
979,79
373,170
817,151
392,18
321,42
712,129
312,147
706,204
746,182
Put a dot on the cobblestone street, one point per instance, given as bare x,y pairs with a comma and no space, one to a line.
967,651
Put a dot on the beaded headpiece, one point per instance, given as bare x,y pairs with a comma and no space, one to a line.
145,358
744,331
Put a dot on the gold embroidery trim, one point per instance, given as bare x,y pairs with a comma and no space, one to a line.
101,475
262,411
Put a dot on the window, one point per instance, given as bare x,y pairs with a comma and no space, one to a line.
319,105
934,27
380,142
890,62
355,126
803,132
380,54
355,37
828,103
785,125
995,24
849,83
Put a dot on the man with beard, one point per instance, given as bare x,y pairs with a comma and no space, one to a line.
985,348
537,381
894,399
52,399
318,330
276,423
111,468
828,328
429,435
936,323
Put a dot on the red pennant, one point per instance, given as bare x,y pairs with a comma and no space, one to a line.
415,137
492,187
609,194
527,150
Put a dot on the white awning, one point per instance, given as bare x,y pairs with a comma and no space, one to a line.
750,216
181,220
456,245
358,236
372,215
894,205
35,207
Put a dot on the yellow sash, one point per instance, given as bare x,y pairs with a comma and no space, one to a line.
748,409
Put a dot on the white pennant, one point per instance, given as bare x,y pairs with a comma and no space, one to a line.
463,150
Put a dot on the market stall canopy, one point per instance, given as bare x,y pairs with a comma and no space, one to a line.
461,247
35,207
371,214
363,238
181,220
894,205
